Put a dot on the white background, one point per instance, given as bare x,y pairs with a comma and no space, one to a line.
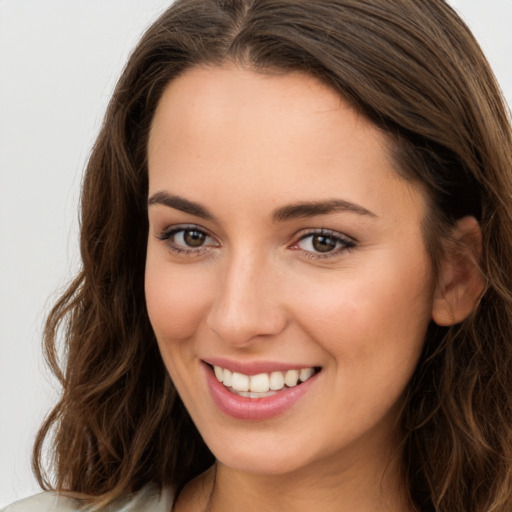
59,60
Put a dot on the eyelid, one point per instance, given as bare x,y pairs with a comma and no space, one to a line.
166,236
348,243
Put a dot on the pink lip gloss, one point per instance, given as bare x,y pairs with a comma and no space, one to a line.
245,408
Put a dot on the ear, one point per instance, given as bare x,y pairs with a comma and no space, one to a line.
460,282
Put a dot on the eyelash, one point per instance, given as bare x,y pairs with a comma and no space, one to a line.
345,243
167,237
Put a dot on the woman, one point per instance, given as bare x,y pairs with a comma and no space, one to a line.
296,286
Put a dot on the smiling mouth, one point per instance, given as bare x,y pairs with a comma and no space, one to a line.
262,384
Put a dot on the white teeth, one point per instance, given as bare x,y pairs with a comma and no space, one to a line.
262,384
219,373
276,381
291,378
259,383
305,374
240,382
227,378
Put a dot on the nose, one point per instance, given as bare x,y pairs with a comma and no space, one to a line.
247,305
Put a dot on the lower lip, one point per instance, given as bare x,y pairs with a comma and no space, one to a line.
245,408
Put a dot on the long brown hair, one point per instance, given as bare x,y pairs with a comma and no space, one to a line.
414,69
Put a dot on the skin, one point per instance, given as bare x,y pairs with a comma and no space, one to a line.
242,145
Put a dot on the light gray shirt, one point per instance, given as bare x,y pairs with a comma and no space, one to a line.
146,500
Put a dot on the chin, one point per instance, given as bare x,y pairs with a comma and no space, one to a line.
261,463
261,456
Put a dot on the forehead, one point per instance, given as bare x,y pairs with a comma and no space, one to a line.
229,88
289,134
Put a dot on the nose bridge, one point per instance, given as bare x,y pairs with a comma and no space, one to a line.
247,303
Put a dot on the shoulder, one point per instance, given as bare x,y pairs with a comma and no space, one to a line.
148,499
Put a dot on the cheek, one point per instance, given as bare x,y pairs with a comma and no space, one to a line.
373,328
376,315
176,300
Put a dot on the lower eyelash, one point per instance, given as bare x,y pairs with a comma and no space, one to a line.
332,254
347,245
166,236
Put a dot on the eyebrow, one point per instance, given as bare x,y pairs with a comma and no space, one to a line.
180,203
282,214
310,209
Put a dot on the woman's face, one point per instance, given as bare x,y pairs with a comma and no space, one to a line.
282,245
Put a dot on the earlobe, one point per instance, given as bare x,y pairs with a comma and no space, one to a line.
460,282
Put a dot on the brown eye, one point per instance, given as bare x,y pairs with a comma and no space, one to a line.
322,243
325,243
189,240
194,238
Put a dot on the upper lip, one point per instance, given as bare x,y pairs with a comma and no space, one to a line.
255,367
